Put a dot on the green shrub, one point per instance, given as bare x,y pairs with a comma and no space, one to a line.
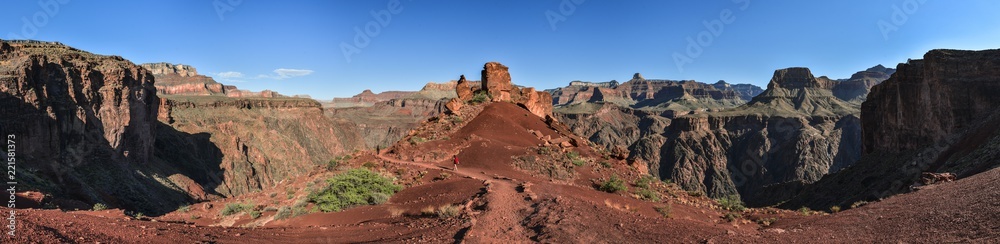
731,203
696,193
835,209
579,162
649,195
255,214
667,181
664,210
99,207
184,209
235,208
614,184
139,215
283,213
480,97
351,188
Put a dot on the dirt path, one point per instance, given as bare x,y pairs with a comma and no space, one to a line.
501,222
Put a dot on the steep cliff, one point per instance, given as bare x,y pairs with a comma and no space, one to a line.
84,126
938,114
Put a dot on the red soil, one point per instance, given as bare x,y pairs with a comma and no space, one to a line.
500,203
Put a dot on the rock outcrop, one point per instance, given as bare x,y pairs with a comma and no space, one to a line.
462,89
937,115
497,82
498,86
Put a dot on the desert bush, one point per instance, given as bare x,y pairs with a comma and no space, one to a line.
766,221
99,207
480,97
417,140
184,209
443,176
614,184
664,210
644,182
369,165
835,209
667,181
696,193
731,203
270,209
544,151
283,213
648,195
574,157
605,164
805,210
351,188
732,216
255,214
858,204
234,208
447,211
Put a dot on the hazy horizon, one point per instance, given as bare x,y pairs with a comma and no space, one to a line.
315,48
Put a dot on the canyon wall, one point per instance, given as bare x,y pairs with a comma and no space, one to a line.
84,127
935,115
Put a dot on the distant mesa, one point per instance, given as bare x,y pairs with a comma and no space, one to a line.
180,79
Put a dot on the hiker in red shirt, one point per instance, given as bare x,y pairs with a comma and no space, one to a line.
456,162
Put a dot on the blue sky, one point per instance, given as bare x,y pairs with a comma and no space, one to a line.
297,47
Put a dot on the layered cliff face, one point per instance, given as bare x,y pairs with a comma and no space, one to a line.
795,131
256,142
938,114
84,126
386,122
180,79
